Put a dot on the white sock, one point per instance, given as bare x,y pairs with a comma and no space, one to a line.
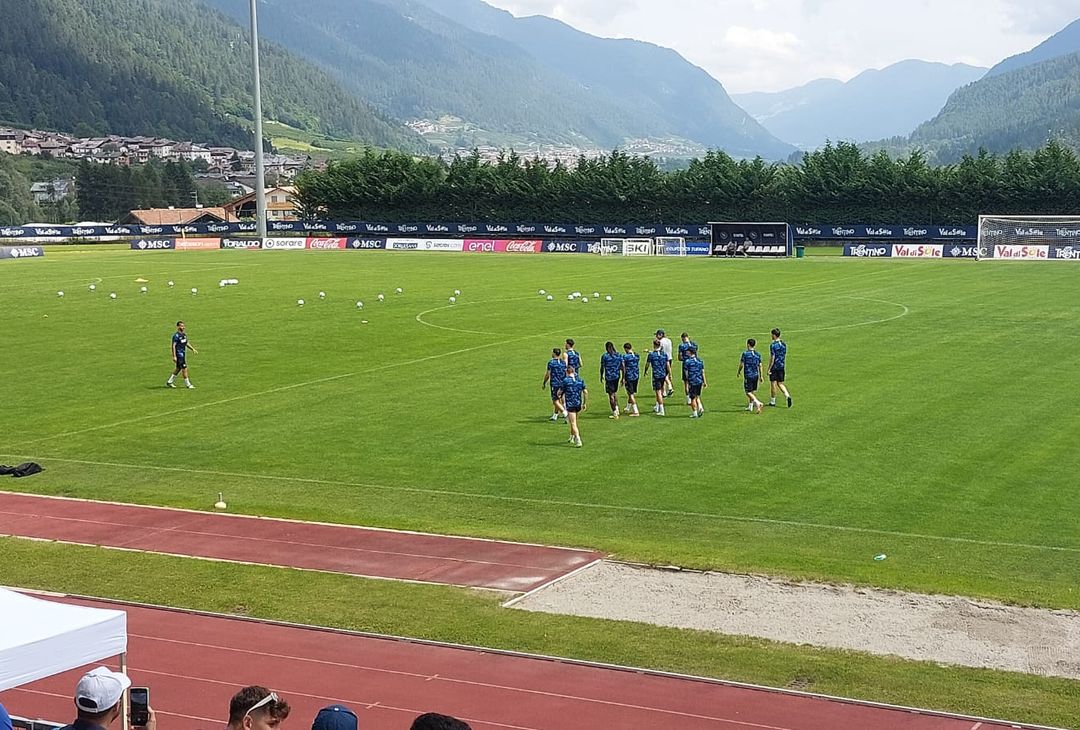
772,401
172,379
187,381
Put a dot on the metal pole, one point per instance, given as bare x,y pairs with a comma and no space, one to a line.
260,169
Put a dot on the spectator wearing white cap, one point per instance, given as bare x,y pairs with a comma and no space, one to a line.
97,700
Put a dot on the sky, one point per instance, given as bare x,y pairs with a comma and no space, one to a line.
770,45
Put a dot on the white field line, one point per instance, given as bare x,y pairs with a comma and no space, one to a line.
626,509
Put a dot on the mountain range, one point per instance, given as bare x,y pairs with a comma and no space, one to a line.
875,104
535,77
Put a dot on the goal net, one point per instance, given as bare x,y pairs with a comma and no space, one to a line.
1029,238
637,247
670,246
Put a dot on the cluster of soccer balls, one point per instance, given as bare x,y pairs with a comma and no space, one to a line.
359,302
144,290
572,296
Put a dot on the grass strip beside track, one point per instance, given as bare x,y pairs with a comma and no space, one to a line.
475,618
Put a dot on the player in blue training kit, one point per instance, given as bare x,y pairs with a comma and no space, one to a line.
694,372
556,371
685,346
750,369
571,357
575,395
611,368
180,346
777,368
661,370
631,373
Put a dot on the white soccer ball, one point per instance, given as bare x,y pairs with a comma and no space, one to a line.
112,295
222,283
143,289
380,297
234,281
457,292
577,294
584,300
399,290
569,297
299,302
359,305
596,295
93,287
550,298
59,293
541,292
607,298
170,284
194,290
322,295
453,300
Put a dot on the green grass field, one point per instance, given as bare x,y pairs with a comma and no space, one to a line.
936,417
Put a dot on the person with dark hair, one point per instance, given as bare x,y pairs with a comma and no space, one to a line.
335,717
684,346
180,346
576,397
661,369
778,368
611,369
665,345
694,375
631,373
97,700
435,721
556,371
571,356
257,708
750,369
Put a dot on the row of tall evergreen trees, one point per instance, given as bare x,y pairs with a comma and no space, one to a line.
836,184
110,192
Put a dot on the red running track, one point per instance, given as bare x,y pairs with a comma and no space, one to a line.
357,551
193,663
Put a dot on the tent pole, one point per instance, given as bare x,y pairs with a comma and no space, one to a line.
124,704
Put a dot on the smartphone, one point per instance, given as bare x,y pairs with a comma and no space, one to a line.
140,706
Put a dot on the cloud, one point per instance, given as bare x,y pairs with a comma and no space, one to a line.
760,40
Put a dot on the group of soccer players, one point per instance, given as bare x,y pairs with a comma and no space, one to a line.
569,395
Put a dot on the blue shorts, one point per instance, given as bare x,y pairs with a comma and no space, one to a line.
658,383
555,392
750,385
695,390
777,375
631,387
181,362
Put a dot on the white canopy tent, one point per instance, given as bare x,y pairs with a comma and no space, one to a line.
39,638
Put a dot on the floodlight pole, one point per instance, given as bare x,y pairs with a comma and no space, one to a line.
260,168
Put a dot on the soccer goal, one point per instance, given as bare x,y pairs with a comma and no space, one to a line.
637,247
1029,238
670,246
611,246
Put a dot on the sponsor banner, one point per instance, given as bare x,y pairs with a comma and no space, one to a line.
1021,253
868,250
285,244
1065,253
960,251
565,247
153,244
402,244
326,244
21,252
285,226
919,233
918,251
637,248
241,243
366,244
424,244
693,248
473,245
197,244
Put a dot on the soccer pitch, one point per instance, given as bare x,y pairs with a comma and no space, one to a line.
936,415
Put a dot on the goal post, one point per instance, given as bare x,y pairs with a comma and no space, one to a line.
670,246
1028,238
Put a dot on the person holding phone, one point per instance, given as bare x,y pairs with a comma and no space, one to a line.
97,701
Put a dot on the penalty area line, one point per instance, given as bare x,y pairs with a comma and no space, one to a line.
626,509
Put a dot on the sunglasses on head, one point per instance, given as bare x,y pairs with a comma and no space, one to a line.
272,697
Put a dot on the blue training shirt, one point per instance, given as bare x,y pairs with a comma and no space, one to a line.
658,362
751,361
695,371
574,359
557,368
612,365
686,346
572,389
633,365
779,354
180,340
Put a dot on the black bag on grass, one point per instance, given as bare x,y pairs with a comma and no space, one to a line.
24,469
